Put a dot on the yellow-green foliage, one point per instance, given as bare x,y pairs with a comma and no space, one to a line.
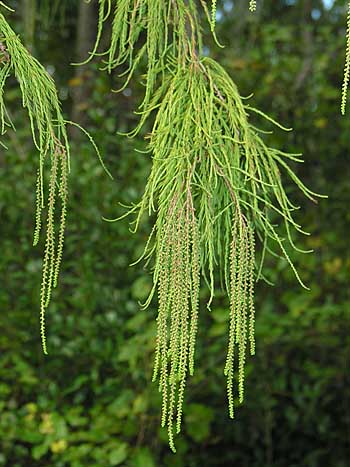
39,97
147,29
213,14
214,185
252,5
347,65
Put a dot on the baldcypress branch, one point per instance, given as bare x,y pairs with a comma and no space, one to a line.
49,134
346,77
215,185
215,188
48,128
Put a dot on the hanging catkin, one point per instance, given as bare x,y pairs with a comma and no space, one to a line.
215,189
39,97
347,65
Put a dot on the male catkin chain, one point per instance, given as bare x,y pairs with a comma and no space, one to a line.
213,15
347,65
214,191
213,194
48,128
252,5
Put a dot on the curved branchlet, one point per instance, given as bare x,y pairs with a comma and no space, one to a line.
48,128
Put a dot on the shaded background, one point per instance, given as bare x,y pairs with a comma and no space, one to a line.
91,402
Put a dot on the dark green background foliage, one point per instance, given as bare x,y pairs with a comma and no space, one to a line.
90,402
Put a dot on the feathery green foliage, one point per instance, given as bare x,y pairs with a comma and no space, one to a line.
215,186
347,65
39,97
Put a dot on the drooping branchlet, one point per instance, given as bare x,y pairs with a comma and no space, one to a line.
48,128
213,184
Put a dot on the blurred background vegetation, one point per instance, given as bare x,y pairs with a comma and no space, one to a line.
91,402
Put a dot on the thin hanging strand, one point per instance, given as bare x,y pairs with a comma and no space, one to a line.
347,66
